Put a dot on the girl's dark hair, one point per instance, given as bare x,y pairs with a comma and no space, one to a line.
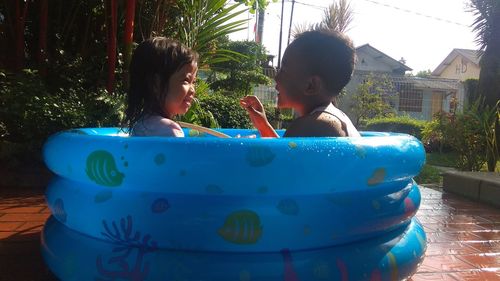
153,63
328,54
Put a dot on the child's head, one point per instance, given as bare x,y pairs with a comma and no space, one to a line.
326,55
162,75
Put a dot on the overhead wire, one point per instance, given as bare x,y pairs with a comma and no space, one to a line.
417,13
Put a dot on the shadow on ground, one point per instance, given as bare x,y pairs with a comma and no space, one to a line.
22,259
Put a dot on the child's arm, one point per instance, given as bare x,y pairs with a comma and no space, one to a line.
258,116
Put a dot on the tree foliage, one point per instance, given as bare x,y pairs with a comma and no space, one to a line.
424,73
203,22
255,4
487,28
239,77
372,98
470,133
338,16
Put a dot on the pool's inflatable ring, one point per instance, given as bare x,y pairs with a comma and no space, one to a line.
203,194
73,256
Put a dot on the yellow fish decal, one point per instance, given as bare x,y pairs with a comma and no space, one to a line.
101,168
194,133
394,267
377,177
241,227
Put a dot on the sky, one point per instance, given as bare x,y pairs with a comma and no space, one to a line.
423,32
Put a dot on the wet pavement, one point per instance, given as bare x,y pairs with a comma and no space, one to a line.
463,237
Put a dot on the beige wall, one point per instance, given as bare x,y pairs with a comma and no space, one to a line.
461,69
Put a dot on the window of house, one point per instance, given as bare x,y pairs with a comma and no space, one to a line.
411,101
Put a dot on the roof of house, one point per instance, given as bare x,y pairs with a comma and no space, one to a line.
383,57
432,83
472,56
428,83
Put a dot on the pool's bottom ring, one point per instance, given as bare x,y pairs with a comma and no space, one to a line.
73,256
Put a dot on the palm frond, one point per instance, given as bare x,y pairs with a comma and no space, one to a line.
204,21
338,16
483,11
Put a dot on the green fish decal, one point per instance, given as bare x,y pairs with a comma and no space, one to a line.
258,156
241,227
101,168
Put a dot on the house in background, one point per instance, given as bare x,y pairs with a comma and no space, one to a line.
460,64
420,98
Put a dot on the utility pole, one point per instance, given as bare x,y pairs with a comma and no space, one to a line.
281,33
290,28
260,26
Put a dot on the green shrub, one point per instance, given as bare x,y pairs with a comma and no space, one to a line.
471,134
226,110
399,124
465,134
429,174
448,159
30,111
434,132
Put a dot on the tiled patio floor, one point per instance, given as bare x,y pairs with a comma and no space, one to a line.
463,237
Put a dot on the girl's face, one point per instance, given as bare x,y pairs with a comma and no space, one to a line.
181,92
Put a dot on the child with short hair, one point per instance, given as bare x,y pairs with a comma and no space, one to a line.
315,67
162,76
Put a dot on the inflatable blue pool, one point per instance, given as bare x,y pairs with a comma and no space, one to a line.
244,202
73,256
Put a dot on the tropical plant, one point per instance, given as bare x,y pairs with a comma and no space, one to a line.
299,28
239,77
338,16
204,21
486,116
487,28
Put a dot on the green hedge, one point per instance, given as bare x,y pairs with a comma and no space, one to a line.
226,110
399,124
229,114
30,111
